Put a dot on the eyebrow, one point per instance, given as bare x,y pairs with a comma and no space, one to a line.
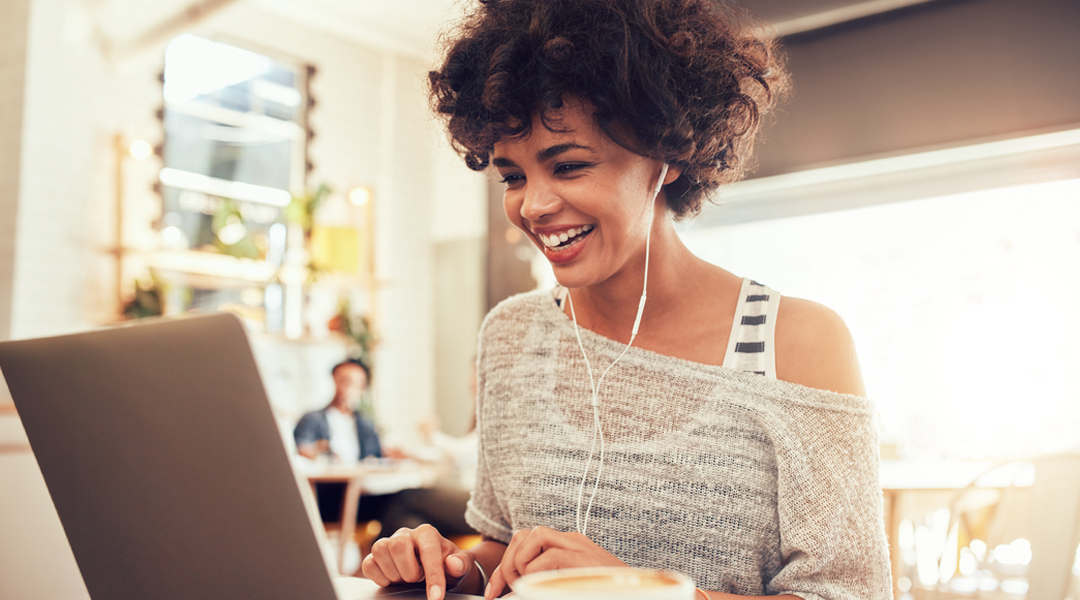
543,155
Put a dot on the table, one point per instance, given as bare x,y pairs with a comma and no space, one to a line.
355,588
374,479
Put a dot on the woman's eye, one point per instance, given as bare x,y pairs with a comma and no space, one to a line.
512,178
563,168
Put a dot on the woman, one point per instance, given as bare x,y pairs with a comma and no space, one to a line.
655,411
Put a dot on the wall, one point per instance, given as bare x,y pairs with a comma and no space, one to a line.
458,227
459,293
13,21
60,154
510,256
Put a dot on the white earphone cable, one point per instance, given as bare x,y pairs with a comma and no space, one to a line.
583,524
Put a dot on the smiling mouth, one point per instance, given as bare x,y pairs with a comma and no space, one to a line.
561,241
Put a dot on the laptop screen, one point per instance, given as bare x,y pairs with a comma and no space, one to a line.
163,459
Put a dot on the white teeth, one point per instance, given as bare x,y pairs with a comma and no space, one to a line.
554,240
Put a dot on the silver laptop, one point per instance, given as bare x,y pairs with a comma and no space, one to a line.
167,467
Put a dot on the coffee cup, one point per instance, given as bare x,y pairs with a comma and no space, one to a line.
604,583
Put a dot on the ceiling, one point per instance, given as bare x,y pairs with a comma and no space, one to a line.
776,11
401,25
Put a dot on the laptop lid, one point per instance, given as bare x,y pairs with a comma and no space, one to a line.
165,464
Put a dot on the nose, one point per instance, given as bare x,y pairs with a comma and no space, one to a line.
541,200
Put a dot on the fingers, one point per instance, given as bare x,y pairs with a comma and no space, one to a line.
495,584
429,545
530,548
372,571
380,568
506,573
402,550
412,555
508,565
545,562
531,545
458,564
550,560
544,549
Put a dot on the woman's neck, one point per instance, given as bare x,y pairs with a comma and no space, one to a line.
610,307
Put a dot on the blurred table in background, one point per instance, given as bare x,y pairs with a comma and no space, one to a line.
370,478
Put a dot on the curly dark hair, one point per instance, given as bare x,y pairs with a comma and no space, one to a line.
687,81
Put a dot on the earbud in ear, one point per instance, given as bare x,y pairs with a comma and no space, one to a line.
660,180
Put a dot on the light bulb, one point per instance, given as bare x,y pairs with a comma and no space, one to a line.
140,150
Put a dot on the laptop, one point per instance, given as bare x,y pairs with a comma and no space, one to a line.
167,468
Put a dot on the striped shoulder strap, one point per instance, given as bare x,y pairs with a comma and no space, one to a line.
750,346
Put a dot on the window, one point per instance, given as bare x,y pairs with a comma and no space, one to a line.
235,147
963,309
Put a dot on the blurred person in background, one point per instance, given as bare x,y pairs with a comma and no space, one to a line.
339,431
341,434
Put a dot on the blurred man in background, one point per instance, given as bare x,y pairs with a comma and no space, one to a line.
341,433
339,430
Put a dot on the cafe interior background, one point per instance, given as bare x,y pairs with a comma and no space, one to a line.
276,158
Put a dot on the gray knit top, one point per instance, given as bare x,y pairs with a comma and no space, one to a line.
749,485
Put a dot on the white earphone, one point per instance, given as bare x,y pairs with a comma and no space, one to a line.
582,525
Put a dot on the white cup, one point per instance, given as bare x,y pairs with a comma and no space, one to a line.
605,583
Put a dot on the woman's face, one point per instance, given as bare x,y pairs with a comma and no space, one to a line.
580,197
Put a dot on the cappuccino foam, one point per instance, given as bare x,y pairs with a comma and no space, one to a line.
604,583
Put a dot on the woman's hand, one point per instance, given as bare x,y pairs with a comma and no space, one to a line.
544,549
420,554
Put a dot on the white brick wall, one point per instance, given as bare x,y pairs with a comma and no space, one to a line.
405,302
59,143
13,31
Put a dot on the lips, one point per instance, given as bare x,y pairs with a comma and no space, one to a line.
565,238
563,246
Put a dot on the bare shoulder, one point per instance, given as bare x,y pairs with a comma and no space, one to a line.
814,348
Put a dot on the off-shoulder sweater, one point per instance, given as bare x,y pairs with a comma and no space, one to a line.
749,485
